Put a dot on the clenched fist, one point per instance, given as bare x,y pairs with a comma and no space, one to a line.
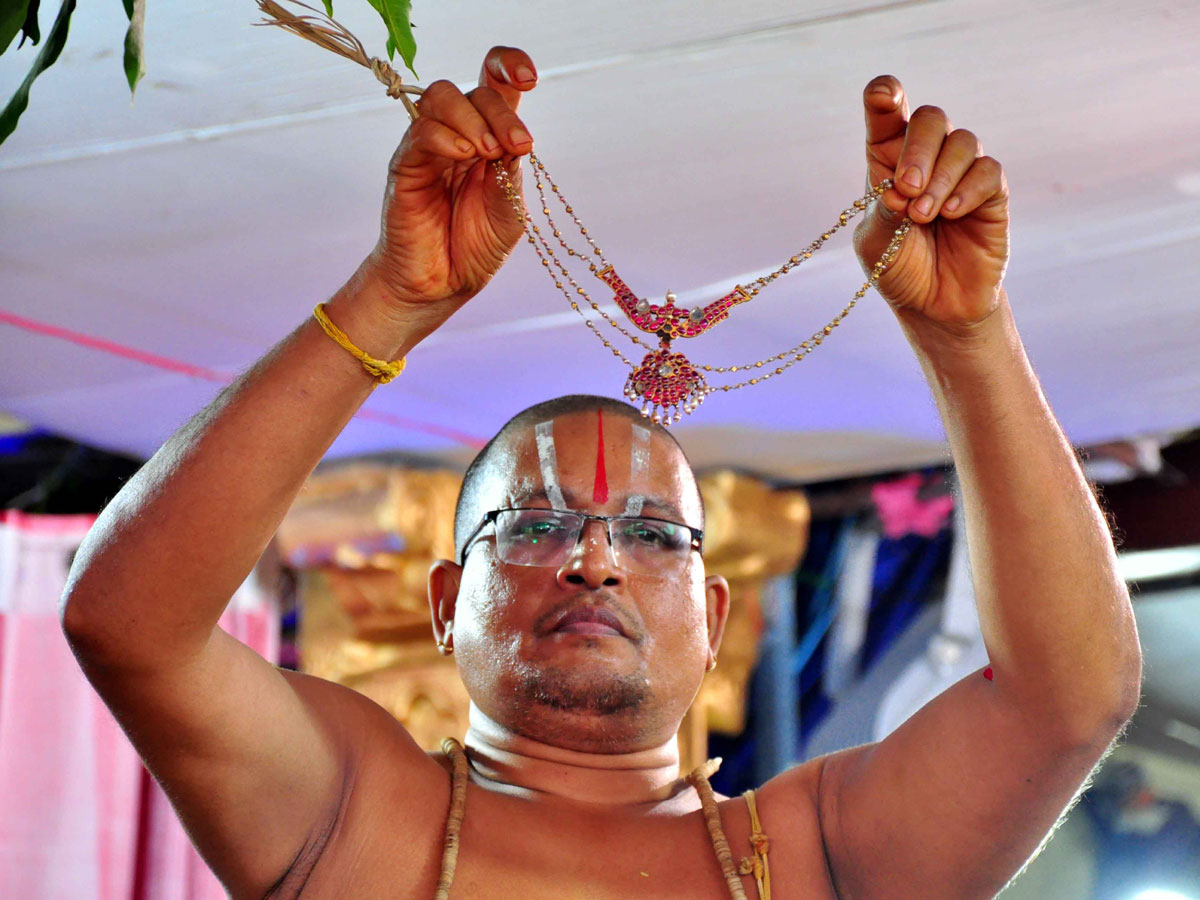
447,224
949,268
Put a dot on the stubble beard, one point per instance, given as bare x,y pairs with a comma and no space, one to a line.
566,690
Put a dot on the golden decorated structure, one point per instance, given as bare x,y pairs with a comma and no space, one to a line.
362,536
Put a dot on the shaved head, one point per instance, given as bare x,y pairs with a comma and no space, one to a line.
593,650
473,497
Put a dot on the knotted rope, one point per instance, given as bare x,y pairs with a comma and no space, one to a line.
380,369
757,865
332,35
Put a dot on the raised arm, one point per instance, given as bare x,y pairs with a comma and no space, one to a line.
954,802
258,761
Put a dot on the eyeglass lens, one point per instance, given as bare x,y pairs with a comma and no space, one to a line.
545,537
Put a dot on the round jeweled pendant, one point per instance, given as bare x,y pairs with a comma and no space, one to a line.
668,386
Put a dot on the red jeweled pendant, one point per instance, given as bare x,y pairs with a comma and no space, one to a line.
667,319
668,385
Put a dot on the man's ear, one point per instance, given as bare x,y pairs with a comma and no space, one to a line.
444,579
716,602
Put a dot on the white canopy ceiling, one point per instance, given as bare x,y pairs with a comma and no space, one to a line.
700,143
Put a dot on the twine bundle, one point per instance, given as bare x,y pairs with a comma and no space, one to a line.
330,34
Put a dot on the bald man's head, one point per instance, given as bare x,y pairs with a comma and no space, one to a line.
590,635
475,496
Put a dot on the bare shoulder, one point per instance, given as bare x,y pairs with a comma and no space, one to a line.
960,795
798,788
392,801
378,746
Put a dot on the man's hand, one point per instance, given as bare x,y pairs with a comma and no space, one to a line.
447,225
949,268
954,801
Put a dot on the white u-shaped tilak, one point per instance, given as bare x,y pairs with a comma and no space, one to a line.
639,463
548,458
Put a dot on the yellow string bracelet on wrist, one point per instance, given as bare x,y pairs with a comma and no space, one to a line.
381,369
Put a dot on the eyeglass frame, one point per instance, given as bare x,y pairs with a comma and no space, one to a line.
697,543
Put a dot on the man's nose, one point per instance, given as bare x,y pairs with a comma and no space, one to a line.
592,561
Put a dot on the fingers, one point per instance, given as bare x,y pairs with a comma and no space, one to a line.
885,108
956,156
428,140
936,171
445,103
927,129
982,190
502,120
481,118
509,72
482,123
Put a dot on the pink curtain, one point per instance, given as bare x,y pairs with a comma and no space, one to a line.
80,818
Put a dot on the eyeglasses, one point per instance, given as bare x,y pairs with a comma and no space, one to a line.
548,537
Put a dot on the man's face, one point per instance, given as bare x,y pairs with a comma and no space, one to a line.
530,641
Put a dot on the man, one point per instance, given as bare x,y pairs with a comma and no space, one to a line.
583,640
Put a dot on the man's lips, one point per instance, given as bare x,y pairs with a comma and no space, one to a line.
588,620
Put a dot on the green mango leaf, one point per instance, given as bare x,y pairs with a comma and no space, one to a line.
29,28
135,63
329,8
44,60
128,4
12,17
400,37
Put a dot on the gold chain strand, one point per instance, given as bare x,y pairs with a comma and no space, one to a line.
804,348
534,237
799,351
844,217
634,388
668,380
535,232
571,252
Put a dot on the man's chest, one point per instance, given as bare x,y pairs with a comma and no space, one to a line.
513,849
625,860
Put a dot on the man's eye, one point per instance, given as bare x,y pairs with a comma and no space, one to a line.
538,529
646,533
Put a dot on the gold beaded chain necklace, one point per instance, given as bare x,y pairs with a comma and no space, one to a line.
667,382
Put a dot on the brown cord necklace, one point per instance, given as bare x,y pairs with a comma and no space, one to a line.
756,865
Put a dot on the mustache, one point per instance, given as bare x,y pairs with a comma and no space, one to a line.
603,600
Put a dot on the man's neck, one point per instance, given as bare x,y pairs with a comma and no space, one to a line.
526,767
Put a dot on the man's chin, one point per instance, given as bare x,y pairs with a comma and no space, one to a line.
587,690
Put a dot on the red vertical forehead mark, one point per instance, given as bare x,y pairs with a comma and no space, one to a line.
988,673
600,487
